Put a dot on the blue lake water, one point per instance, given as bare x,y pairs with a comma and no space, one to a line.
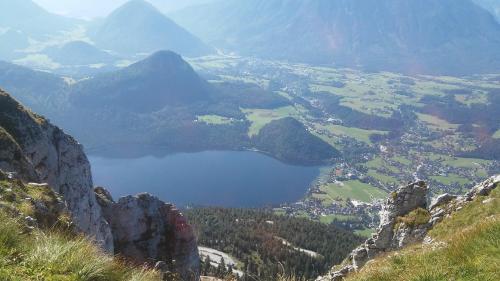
213,178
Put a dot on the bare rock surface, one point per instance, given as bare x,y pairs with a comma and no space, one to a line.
40,152
141,228
151,231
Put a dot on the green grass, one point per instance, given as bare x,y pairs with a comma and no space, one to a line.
477,97
330,218
52,252
367,232
414,218
465,162
261,117
56,256
378,164
496,135
451,179
352,189
402,160
214,119
386,99
279,211
356,133
436,123
375,163
387,180
470,249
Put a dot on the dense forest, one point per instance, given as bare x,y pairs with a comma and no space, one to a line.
267,244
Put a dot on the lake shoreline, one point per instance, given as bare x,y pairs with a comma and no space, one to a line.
248,179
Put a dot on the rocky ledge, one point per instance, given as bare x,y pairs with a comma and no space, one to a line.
39,152
140,228
406,218
151,231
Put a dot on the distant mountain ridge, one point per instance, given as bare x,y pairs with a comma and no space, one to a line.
425,36
78,53
36,22
492,6
138,27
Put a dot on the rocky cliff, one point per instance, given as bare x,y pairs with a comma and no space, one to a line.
140,228
151,231
406,218
40,152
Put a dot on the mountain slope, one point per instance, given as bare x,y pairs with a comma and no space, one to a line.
138,27
42,162
37,241
453,238
463,247
491,5
28,17
44,153
169,6
163,79
38,90
11,41
428,36
78,53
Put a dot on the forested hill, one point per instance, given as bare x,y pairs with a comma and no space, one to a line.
163,79
287,139
257,239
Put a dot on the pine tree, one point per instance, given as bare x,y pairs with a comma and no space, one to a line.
206,266
221,270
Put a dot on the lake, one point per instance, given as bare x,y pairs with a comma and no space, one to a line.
212,178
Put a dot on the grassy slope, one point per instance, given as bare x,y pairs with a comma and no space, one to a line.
466,247
53,254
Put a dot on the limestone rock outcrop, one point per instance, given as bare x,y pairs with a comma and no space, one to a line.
141,228
405,219
400,203
149,230
40,152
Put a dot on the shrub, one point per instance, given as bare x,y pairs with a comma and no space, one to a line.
415,218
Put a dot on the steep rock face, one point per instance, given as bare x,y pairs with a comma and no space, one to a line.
400,203
406,219
142,227
41,152
149,230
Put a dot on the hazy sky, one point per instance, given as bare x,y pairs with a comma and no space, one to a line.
101,8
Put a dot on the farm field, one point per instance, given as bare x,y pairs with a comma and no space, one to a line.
358,113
